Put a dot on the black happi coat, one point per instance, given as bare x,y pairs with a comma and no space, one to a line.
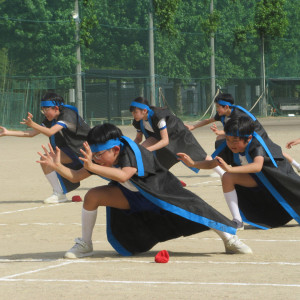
74,132
276,200
181,213
180,138
70,140
237,112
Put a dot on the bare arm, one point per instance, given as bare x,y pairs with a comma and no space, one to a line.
205,164
163,142
200,123
292,143
39,128
18,133
254,167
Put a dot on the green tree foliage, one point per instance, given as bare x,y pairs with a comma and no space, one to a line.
38,36
120,38
270,18
165,11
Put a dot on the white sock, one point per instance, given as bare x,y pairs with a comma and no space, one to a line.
88,220
53,179
225,236
232,202
219,170
295,164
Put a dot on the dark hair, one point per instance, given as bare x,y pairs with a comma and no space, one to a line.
240,127
139,100
102,133
50,96
226,97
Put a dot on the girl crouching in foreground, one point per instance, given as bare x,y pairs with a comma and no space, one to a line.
146,204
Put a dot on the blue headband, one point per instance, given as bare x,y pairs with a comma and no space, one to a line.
140,105
52,103
105,146
237,134
117,142
49,103
223,102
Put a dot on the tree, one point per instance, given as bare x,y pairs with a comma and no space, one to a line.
39,36
270,21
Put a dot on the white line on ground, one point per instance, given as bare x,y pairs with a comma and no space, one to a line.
155,282
35,271
100,261
47,224
252,240
31,208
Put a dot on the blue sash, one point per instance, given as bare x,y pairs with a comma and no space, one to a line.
240,108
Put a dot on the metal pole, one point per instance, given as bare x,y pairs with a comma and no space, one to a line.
151,56
263,105
78,66
212,58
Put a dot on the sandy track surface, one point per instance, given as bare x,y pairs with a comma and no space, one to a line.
35,236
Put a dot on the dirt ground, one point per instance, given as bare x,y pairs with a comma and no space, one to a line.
34,237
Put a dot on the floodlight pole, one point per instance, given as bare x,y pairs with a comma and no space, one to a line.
151,55
212,58
78,66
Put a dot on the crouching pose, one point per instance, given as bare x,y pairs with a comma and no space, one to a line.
145,203
260,186
165,134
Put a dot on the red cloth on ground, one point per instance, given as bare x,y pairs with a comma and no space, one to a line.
162,257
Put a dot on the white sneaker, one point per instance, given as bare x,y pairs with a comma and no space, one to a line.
235,246
56,198
80,249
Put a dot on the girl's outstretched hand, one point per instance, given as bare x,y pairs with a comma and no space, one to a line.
186,159
215,129
189,127
87,156
50,158
289,144
28,121
223,164
3,131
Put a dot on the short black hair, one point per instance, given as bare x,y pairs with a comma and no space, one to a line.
102,133
241,127
225,97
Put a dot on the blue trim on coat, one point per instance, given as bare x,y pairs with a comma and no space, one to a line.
137,154
245,111
185,214
219,150
62,124
192,168
269,186
251,223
